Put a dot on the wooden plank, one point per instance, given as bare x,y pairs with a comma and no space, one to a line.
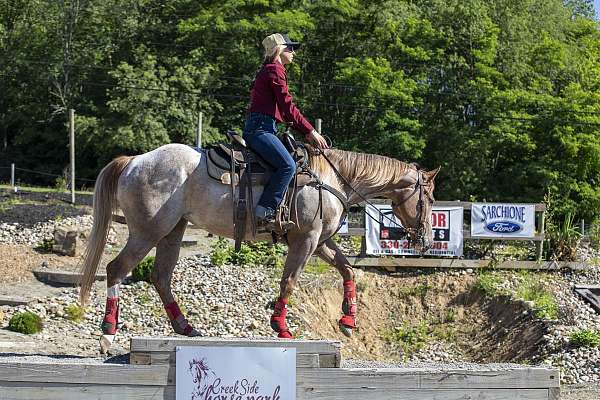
14,301
332,378
169,358
421,394
151,344
62,277
460,263
65,391
396,378
32,391
113,374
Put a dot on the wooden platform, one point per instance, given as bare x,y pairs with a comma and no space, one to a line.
53,381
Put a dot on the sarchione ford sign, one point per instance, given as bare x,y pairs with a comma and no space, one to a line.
384,236
235,373
502,220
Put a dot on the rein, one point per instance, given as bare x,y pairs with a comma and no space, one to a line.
406,232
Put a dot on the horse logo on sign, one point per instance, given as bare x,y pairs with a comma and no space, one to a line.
199,370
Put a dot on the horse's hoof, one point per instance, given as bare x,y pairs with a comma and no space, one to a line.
193,333
106,342
346,330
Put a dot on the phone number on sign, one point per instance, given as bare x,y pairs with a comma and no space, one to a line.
396,244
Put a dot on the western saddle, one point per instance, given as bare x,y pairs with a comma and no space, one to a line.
236,165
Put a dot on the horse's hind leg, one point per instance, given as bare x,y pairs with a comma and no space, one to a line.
167,253
330,253
133,252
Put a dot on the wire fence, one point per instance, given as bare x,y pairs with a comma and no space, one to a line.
17,176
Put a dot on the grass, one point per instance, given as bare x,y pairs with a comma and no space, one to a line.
532,289
413,337
316,267
418,290
585,338
75,313
490,284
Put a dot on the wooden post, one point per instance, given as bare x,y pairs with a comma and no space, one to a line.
199,131
540,245
12,177
72,151
318,122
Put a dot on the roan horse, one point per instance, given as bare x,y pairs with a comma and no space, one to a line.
160,191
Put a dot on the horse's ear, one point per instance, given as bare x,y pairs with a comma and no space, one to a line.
432,174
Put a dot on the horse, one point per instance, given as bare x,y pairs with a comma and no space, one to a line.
160,191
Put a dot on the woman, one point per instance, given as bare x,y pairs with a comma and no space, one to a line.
270,103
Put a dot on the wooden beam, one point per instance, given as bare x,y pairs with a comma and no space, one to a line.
384,378
65,391
62,277
151,344
169,358
381,262
14,301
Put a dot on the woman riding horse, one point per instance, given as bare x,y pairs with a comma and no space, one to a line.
271,102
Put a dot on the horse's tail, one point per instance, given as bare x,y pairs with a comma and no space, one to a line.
105,202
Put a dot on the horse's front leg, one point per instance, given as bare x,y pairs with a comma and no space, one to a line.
330,253
300,248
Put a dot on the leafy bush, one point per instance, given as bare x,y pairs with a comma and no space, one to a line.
75,312
143,271
563,239
25,322
585,338
250,254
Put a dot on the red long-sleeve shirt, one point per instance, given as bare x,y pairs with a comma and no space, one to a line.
270,95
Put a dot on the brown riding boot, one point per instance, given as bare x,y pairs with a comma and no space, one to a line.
266,221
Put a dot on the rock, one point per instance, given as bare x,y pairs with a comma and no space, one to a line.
65,241
1,317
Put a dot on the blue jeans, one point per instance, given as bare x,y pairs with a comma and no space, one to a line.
260,134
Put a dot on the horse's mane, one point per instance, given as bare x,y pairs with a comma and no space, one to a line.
369,169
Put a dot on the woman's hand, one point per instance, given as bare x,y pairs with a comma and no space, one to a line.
317,140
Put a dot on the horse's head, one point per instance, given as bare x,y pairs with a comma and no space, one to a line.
413,205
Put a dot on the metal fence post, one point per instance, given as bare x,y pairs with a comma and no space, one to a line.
318,122
72,151
12,177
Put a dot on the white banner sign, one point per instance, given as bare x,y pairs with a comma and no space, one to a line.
235,373
382,236
502,220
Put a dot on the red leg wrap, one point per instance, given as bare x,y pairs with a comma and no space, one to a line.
111,316
349,305
278,319
178,321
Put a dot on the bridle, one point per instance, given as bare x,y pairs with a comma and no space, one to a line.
414,234
417,234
